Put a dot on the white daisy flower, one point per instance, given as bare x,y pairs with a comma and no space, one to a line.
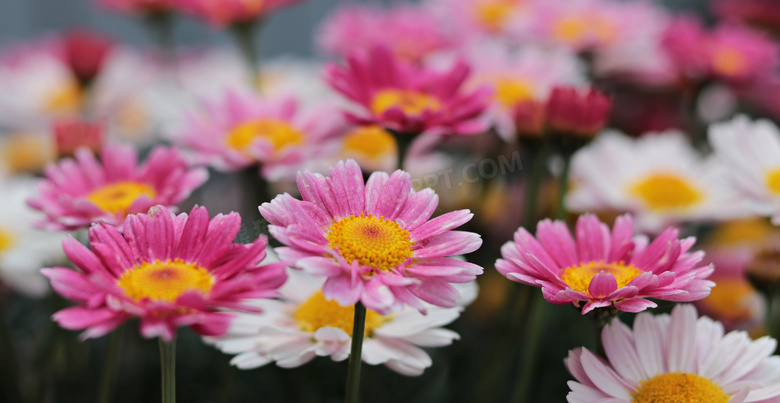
301,325
751,152
660,178
675,358
23,249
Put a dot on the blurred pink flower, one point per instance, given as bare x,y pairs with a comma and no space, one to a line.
85,52
474,20
522,80
78,192
685,44
409,31
374,241
740,54
576,111
70,134
167,270
604,268
241,130
142,7
223,13
762,13
408,99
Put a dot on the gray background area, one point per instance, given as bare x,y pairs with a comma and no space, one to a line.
288,32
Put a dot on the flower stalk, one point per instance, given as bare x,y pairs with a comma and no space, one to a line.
168,370
356,354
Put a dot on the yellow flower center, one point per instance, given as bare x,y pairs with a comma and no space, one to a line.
666,191
317,312
27,152
410,102
372,142
749,231
493,14
7,240
730,298
773,181
117,197
371,241
679,387
66,99
165,281
573,29
728,61
277,132
511,91
578,277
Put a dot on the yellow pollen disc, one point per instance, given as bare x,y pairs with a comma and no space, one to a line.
492,14
26,152
750,231
578,277
730,298
117,197
410,102
372,142
375,242
773,181
510,91
165,281
728,61
317,312
678,387
575,28
277,132
7,240
67,99
666,191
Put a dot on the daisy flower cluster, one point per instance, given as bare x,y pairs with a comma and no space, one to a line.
438,200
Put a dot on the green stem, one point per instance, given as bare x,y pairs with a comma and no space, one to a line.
563,187
9,364
110,367
772,301
403,142
530,351
601,317
168,369
533,184
244,34
356,354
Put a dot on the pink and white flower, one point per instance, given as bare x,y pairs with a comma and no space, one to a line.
82,190
675,358
409,99
168,270
375,242
302,325
603,268
241,130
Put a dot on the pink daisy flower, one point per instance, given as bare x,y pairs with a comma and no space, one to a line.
410,31
81,191
601,268
168,270
222,13
474,20
374,241
675,358
408,99
683,42
241,130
